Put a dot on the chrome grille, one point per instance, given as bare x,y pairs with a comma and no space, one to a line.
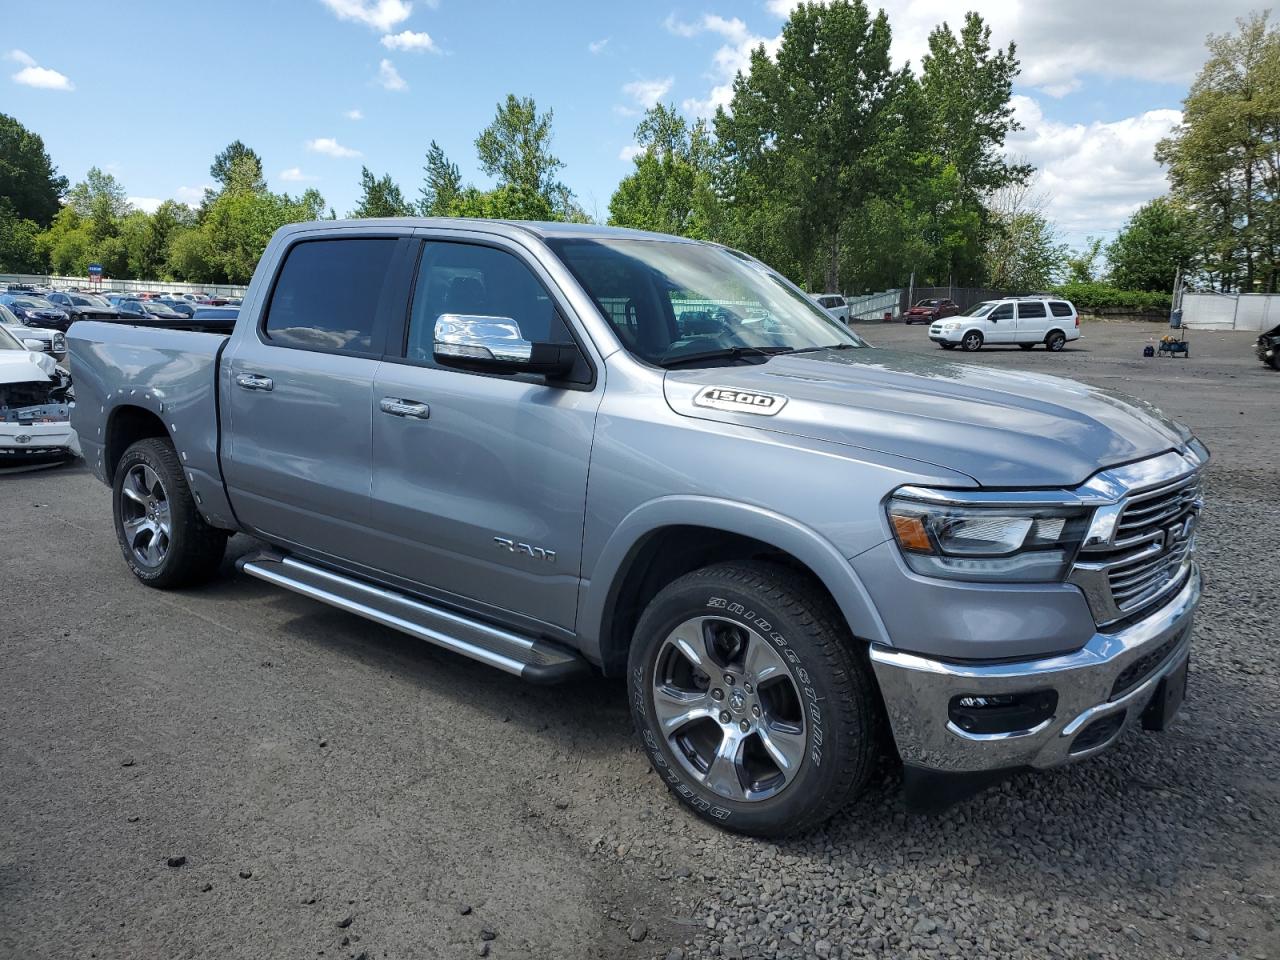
1148,553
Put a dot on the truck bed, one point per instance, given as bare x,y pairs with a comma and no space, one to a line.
123,370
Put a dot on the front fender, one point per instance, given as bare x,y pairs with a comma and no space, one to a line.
599,593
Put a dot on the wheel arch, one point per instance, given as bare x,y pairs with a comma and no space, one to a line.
664,539
127,424
1051,331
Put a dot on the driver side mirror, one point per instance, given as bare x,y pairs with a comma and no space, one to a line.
495,345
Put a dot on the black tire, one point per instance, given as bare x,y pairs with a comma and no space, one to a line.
190,551
1026,346
837,744
1055,341
971,341
1274,361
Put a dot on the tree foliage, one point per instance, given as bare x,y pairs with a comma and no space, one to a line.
441,183
1155,243
671,189
29,181
380,197
1023,251
1224,158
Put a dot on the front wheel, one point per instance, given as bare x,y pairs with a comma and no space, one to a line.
972,341
752,701
163,538
1274,361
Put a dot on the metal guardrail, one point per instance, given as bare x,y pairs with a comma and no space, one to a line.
123,286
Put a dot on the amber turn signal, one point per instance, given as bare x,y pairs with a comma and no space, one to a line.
911,533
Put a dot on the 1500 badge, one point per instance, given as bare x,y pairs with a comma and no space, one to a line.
740,401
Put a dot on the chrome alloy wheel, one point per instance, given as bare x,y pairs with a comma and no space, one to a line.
729,709
144,514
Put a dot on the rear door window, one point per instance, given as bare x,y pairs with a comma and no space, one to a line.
1028,309
326,296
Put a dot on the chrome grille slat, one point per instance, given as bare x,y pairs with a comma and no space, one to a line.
1149,550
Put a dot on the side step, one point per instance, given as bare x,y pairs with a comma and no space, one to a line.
535,660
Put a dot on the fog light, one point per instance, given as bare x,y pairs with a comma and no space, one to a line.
1002,712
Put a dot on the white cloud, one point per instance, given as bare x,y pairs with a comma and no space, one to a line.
1058,43
145,204
630,151
1093,175
330,148
732,57
597,46
192,194
34,75
389,77
354,114
646,93
408,40
295,175
379,14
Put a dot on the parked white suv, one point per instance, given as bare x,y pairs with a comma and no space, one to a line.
1025,321
836,306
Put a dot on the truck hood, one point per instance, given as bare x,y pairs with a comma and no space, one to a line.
1003,428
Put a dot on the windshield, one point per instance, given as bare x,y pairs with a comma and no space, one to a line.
979,309
158,309
8,341
673,302
80,300
927,303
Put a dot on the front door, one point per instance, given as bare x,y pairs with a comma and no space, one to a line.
480,481
298,454
1001,325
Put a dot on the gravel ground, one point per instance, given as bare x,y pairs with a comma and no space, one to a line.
338,790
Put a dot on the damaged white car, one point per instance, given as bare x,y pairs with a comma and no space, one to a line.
35,406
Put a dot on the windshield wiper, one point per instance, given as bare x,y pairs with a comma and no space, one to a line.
831,346
726,353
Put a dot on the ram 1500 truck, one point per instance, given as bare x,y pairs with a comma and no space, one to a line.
556,448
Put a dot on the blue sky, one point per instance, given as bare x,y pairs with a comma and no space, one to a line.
152,89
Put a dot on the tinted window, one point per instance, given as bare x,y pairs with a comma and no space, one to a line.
469,279
327,294
1031,308
1060,309
1002,312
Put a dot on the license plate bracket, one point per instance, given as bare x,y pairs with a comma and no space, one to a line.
1170,693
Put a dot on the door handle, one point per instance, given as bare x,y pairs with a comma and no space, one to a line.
404,408
253,381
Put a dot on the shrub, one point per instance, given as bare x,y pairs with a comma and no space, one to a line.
1098,297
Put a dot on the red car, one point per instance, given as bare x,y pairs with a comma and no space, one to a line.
927,311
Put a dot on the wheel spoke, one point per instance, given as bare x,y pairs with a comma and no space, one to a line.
151,481
690,640
762,661
675,708
127,488
722,775
785,747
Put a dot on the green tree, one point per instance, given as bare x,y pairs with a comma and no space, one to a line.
515,149
1081,265
1224,158
239,166
28,178
19,250
1156,242
380,197
671,189
191,257
802,141
441,184
1023,251
100,200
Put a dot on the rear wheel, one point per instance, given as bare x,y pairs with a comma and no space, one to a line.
972,341
163,538
1056,341
751,700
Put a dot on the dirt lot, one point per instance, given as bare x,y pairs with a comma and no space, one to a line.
339,790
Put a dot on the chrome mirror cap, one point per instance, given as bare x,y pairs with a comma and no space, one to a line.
478,337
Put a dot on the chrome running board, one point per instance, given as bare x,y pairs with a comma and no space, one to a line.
535,660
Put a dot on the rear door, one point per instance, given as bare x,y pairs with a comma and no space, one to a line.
1033,321
479,490
298,460
1000,324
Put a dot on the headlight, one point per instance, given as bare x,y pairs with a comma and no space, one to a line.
951,326
1005,542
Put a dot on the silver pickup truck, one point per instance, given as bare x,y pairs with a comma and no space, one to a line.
558,448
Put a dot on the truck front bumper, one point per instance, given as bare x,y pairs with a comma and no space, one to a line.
1101,691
